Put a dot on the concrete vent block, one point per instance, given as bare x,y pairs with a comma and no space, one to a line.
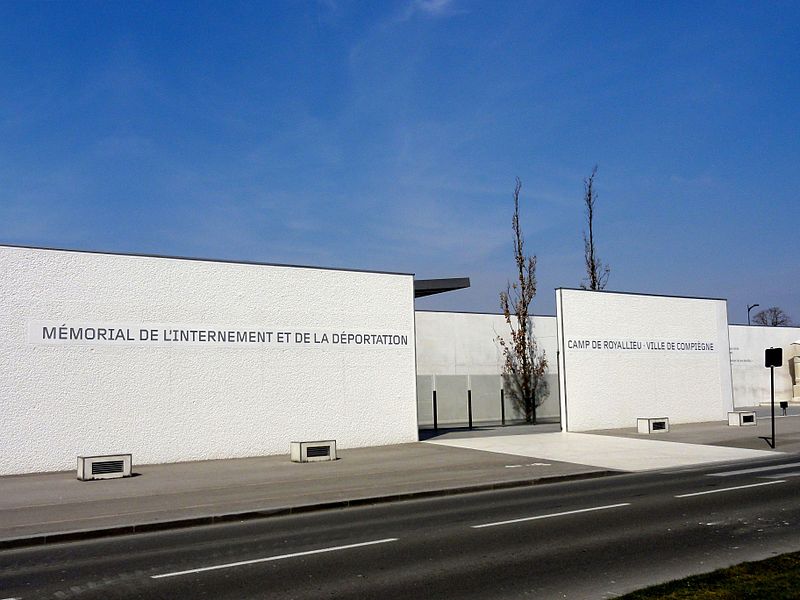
742,418
313,451
653,425
110,466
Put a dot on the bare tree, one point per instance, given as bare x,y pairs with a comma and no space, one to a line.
525,366
773,317
596,272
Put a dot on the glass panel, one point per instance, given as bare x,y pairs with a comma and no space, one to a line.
514,412
451,399
486,399
424,401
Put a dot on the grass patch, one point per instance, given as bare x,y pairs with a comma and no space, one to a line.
776,578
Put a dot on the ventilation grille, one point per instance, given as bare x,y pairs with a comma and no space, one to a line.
652,425
315,451
107,466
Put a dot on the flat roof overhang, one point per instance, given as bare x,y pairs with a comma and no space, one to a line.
429,287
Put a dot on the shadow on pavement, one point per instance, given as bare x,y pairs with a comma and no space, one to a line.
488,431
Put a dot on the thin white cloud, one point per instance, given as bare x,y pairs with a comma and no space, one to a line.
435,8
430,9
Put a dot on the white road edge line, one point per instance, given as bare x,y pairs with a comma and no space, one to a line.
271,558
738,487
561,514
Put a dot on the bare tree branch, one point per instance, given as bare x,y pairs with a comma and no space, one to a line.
772,317
596,272
524,366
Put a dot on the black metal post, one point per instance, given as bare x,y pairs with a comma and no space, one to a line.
502,408
469,407
435,413
772,394
771,441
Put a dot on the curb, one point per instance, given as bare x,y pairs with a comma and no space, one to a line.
175,524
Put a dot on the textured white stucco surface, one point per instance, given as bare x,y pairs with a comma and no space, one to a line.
609,388
164,403
751,379
451,343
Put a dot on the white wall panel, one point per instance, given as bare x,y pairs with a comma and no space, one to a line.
751,379
173,402
626,356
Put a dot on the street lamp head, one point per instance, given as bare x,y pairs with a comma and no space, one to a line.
749,308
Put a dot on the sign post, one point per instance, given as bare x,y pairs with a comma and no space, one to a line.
773,357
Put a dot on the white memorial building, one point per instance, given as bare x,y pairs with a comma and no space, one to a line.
176,359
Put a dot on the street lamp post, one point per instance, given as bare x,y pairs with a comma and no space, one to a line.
749,308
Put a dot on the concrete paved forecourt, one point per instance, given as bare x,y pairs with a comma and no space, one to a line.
52,507
684,445
609,452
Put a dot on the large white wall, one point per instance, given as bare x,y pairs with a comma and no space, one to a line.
626,356
451,343
751,379
167,402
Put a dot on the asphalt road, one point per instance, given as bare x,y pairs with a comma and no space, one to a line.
588,539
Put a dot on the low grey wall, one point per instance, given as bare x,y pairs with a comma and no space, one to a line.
489,406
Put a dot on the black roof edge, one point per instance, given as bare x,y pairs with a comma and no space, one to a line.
429,287
202,259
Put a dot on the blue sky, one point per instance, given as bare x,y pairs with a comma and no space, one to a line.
387,135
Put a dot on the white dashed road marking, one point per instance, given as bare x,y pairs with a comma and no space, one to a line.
560,514
738,487
271,558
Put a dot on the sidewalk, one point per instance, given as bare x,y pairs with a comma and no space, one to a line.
51,507
787,433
